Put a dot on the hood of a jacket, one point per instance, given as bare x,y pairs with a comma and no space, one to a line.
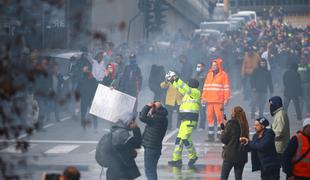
275,104
124,120
219,63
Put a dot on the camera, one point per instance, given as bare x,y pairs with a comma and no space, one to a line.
225,117
222,126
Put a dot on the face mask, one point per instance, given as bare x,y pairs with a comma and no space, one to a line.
198,69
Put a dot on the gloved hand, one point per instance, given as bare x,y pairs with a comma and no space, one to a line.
170,76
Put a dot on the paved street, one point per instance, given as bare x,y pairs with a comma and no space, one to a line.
66,143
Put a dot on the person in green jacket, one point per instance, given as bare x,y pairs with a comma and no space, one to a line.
188,113
280,125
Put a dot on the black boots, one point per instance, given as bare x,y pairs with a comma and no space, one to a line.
177,163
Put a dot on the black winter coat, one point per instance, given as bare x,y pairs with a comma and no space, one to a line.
86,87
263,152
131,80
292,83
232,150
186,71
125,144
43,84
156,127
261,80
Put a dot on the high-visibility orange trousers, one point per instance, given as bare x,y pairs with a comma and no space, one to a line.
217,110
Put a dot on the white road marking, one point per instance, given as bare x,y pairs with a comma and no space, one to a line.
22,136
63,142
92,152
48,125
168,136
61,149
65,118
12,149
95,142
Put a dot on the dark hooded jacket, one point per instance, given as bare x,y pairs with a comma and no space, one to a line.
131,80
261,80
156,127
292,82
125,144
280,125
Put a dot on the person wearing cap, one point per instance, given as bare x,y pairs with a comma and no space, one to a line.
188,113
263,151
296,157
172,102
215,95
126,137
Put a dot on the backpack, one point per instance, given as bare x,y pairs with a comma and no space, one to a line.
104,150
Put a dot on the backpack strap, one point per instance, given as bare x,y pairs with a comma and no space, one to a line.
301,157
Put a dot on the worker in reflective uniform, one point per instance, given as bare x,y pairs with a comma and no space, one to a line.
296,157
216,94
189,110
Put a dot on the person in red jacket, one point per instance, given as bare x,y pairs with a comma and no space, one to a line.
296,157
216,93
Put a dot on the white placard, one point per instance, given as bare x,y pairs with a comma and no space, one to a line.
109,103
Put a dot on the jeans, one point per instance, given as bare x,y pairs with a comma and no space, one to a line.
272,174
227,166
43,104
246,87
151,157
259,100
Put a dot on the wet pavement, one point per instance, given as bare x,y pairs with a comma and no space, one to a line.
65,143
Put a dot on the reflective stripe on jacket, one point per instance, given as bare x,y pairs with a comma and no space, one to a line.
189,108
302,168
216,88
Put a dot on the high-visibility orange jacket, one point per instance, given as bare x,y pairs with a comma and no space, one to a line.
302,168
216,87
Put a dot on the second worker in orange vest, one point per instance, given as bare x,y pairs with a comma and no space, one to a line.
216,93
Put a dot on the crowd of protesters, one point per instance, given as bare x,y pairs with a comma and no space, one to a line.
257,59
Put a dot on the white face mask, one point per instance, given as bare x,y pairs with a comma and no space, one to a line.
198,69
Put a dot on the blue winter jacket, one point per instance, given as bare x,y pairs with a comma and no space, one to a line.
263,152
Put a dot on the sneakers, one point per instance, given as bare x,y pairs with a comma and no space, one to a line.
177,163
191,162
